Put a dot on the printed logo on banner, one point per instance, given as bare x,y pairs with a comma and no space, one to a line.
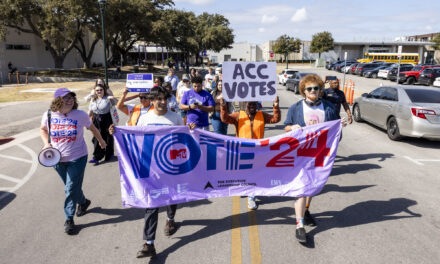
158,192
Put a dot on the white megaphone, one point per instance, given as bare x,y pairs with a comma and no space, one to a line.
49,157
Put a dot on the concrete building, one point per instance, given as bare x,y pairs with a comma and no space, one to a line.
354,49
241,51
27,52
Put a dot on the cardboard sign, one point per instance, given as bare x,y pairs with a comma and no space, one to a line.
249,81
139,82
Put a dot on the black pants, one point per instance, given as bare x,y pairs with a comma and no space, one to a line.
151,217
102,123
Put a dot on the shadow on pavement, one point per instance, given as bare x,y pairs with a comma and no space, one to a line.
345,189
353,168
361,157
357,214
7,198
363,213
128,214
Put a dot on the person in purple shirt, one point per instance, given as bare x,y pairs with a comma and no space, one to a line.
198,103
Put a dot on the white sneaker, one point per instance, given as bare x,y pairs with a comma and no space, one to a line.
252,205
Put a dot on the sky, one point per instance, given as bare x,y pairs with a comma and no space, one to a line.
258,21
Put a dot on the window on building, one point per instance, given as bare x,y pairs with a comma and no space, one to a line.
18,47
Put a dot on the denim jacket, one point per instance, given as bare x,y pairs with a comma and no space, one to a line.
295,115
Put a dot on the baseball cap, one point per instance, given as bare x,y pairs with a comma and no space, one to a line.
61,92
185,78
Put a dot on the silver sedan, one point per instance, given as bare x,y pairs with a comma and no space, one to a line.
403,111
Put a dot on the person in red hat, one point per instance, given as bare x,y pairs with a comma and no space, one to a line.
67,124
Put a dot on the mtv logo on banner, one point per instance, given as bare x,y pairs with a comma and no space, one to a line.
249,81
177,153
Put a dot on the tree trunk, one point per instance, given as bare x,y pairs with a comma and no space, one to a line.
59,61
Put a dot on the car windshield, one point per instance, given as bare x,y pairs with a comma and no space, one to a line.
417,69
305,74
423,96
290,72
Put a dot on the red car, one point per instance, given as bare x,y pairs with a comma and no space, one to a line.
411,77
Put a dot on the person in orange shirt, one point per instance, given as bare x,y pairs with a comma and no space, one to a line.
250,124
134,112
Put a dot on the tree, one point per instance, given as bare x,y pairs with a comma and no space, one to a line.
321,42
176,29
213,33
56,22
128,21
436,40
285,45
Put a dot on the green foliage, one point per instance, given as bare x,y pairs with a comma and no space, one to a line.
285,45
322,42
57,22
436,40
213,32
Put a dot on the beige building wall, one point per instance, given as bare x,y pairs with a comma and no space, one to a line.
37,57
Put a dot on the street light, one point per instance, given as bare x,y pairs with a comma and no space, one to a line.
102,4
287,52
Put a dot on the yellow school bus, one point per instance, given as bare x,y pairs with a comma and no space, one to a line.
390,57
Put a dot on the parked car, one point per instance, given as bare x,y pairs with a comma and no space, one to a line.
330,66
293,82
403,111
352,68
285,74
384,72
338,67
428,76
392,74
365,66
437,82
412,76
372,73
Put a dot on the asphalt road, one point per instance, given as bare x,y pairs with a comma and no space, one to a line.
380,205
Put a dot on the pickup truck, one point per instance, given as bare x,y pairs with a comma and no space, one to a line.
411,77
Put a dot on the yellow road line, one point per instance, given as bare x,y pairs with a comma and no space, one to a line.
254,239
236,232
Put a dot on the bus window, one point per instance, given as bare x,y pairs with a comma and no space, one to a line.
370,57
375,57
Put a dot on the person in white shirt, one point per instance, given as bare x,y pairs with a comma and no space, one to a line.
173,79
183,87
158,116
208,80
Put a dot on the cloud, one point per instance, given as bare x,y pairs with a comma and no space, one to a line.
269,19
300,15
428,27
261,30
195,2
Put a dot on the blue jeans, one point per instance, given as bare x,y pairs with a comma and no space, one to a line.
72,175
217,124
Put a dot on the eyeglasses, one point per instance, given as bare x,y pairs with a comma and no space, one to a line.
67,98
315,88
143,97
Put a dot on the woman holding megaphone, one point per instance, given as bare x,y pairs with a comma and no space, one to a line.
65,125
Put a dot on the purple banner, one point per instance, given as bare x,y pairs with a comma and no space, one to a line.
171,165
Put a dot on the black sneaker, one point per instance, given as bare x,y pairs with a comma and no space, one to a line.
170,228
82,208
69,227
146,251
308,219
301,235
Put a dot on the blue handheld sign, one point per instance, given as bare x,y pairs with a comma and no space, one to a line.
139,82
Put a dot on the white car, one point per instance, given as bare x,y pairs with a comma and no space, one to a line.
286,74
383,73
437,82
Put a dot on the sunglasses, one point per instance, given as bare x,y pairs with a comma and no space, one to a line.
67,98
143,97
315,88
